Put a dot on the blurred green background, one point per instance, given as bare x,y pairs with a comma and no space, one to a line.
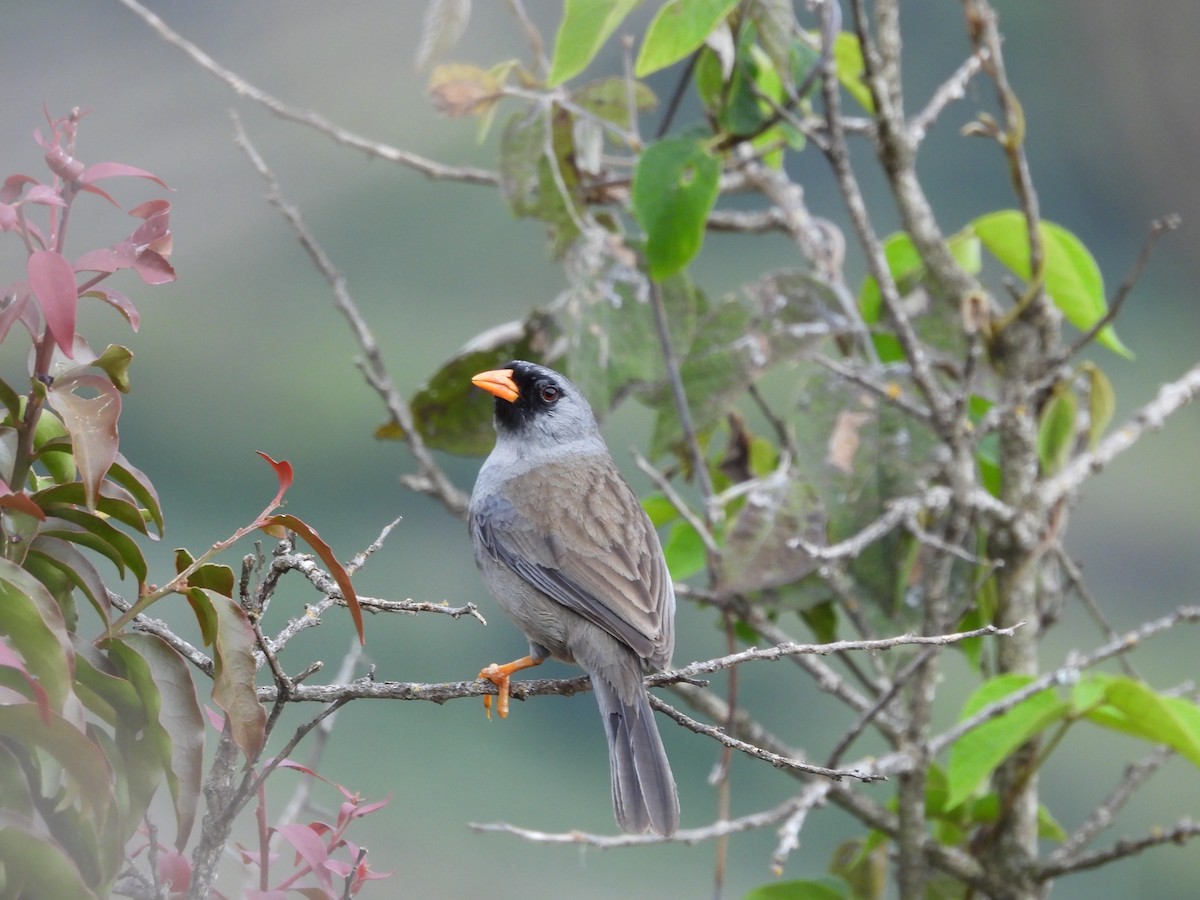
246,352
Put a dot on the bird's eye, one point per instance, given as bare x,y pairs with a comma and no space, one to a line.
549,393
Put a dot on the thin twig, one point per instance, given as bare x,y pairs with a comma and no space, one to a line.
779,762
433,479
308,118
1158,228
1185,830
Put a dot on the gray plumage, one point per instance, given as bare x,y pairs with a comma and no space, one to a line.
565,548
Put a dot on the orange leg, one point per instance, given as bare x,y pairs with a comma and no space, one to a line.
499,675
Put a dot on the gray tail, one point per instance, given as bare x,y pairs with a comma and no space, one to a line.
643,788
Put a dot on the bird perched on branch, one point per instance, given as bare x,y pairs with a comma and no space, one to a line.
568,552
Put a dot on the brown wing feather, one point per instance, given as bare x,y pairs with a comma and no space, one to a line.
585,542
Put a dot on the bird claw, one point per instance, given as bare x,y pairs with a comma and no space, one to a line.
497,675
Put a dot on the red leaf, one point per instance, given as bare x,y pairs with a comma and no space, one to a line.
20,502
324,551
52,280
96,171
283,471
92,424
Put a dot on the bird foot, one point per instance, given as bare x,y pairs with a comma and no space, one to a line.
499,675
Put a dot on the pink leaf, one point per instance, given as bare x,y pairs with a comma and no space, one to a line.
8,217
52,280
15,311
99,192
10,191
44,194
215,719
310,848
119,302
96,171
9,659
175,870
153,268
92,425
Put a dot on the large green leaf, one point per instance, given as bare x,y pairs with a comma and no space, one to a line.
1135,708
977,753
675,187
1071,276
78,569
135,482
80,758
679,28
586,25
94,532
798,890
32,623
34,865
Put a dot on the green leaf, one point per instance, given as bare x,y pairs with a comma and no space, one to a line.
1102,402
94,532
609,99
78,569
134,480
851,71
114,502
33,625
977,753
114,362
233,668
679,28
34,866
1071,276
675,187
1056,430
660,510
685,552
586,25
1135,708
182,724
798,890
81,759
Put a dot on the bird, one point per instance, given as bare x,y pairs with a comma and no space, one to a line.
565,548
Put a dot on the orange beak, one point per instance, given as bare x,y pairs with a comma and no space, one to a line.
498,383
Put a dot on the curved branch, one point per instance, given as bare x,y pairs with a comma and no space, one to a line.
427,167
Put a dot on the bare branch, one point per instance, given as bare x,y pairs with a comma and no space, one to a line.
779,762
1184,831
718,829
1158,228
433,480
1151,417
308,118
953,88
1104,815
